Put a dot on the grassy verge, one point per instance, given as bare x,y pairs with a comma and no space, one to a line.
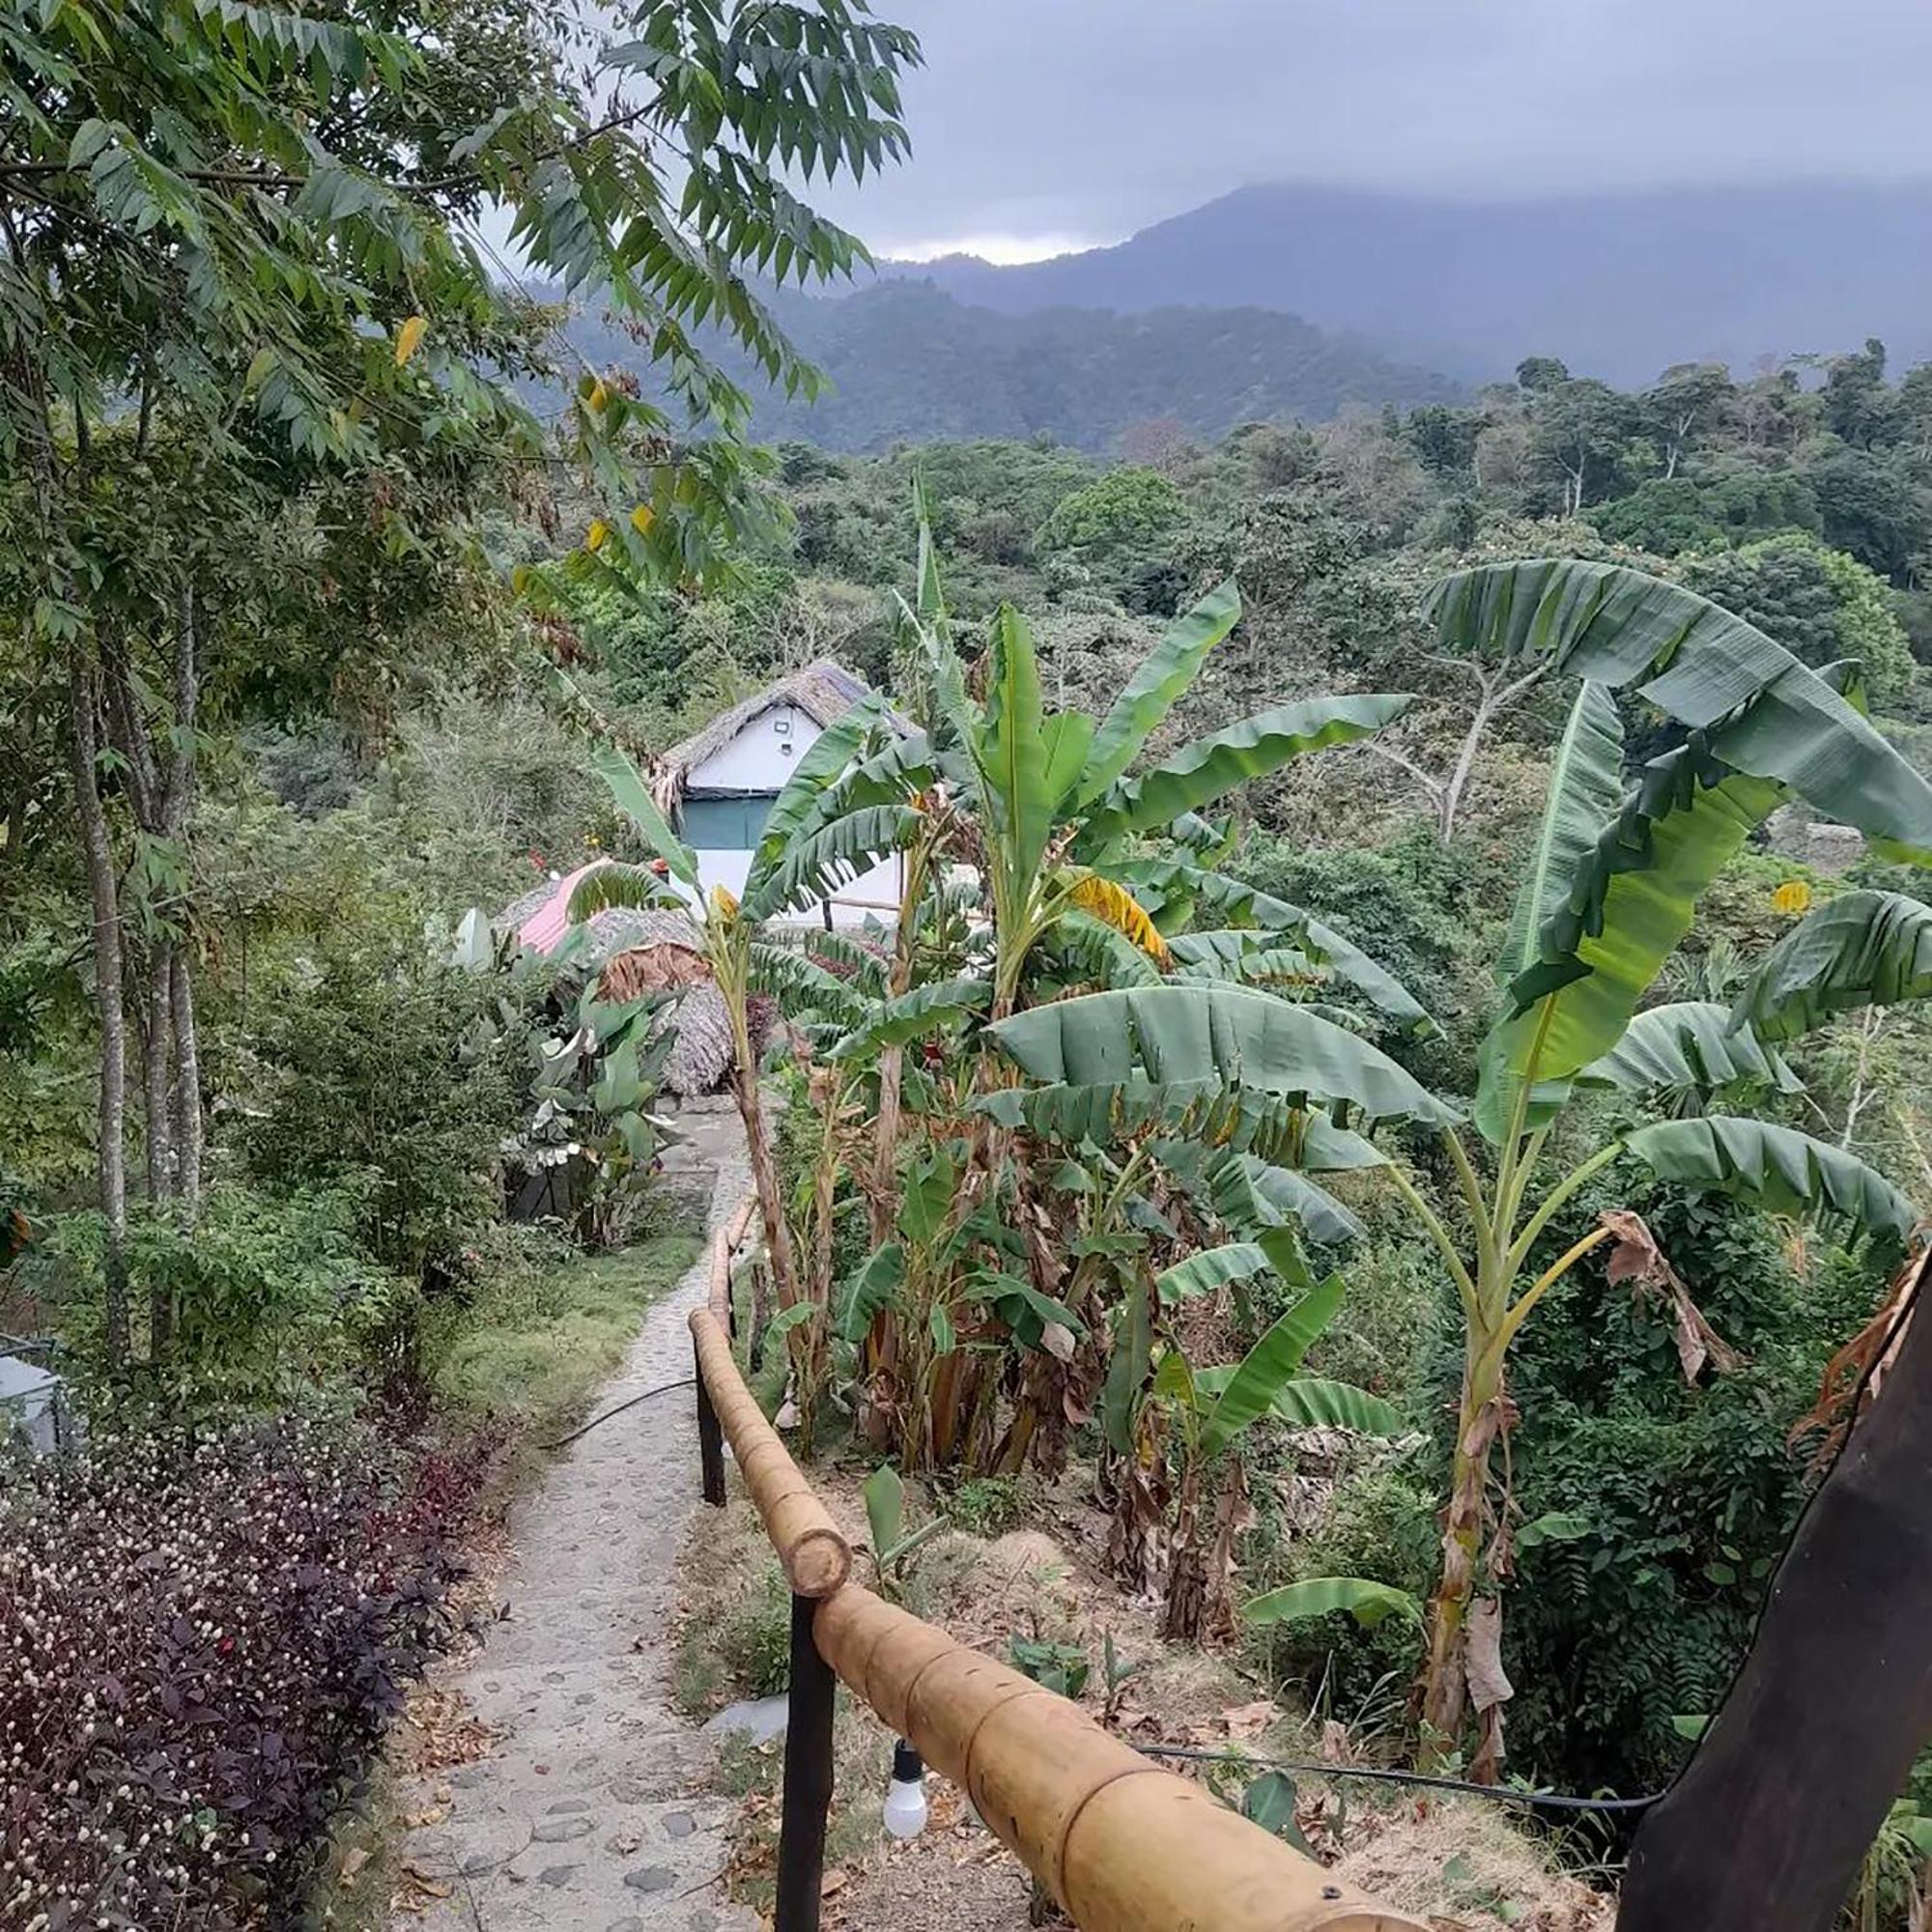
535,1343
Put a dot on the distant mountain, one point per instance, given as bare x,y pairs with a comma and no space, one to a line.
910,363
1619,286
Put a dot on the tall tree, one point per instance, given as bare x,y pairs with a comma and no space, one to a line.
239,258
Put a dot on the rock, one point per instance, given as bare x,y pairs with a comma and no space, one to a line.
561,1831
556,1875
651,1878
564,1805
679,1824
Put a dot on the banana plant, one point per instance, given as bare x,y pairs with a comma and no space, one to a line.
1209,1411
1613,885
816,837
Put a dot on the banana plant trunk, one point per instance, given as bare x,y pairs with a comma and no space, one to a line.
764,1170
1479,1420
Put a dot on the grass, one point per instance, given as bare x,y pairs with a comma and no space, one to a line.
535,1343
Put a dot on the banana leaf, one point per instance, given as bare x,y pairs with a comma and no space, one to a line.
1367,1603
1268,1365
1309,1402
874,1285
1862,949
816,866
616,884
1242,1040
827,757
1772,1167
1209,1268
920,1011
1249,1196
1012,755
1763,713
634,799
1690,1045
1163,676
1126,1371
1631,900
1202,772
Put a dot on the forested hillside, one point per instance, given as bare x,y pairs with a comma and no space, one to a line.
1618,285
908,363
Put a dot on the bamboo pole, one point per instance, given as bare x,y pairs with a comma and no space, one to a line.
816,1558
731,1237
1120,1845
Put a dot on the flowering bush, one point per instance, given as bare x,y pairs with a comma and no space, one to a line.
201,1637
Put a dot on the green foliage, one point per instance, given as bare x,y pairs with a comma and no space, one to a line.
1063,1667
270,1293
363,1088
1125,510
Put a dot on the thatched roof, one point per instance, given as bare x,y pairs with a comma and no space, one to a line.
824,691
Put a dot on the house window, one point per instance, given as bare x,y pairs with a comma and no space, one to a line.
725,824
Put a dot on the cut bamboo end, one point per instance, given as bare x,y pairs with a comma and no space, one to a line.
816,1558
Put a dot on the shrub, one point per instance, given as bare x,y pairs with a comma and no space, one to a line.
206,1633
268,1294
363,1090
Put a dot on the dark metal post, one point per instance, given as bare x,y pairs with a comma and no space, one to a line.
1765,1829
807,1778
710,1445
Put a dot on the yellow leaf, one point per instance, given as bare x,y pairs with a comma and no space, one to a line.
409,338
642,517
598,534
599,395
1114,905
1794,895
724,902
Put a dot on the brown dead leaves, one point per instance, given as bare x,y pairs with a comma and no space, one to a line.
1635,1258
661,968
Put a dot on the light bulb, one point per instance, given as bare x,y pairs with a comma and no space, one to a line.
905,1795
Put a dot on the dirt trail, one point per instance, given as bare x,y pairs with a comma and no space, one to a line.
589,1813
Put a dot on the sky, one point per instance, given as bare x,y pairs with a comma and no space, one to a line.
1041,126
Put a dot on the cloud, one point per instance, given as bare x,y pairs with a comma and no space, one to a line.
1091,118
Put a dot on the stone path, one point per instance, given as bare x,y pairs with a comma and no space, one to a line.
590,1813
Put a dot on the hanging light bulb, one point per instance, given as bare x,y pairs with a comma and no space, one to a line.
905,1796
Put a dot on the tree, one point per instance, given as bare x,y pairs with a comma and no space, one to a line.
1688,401
238,266
1579,429
1125,509
1859,406
1821,605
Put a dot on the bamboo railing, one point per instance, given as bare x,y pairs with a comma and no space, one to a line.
1119,1843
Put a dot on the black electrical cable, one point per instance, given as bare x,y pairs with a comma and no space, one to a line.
1499,1794
563,1441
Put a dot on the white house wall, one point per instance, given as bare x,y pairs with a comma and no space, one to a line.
762,757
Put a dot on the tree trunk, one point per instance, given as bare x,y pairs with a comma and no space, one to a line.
105,893
158,1066
187,1124
1769,1823
1479,1421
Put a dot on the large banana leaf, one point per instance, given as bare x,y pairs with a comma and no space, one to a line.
1860,950
1764,713
615,884
1270,1365
1209,1268
1249,1195
788,976
829,754
1176,890
1126,1371
634,798
1308,1401
1013,754
1631,900
923,1011
1690,1045
816,866
1201,772
1586,785
1367,1603
1772,1167
1151,694
1242,1040
1102,953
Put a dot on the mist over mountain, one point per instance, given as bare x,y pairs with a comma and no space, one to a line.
909,362
1619,286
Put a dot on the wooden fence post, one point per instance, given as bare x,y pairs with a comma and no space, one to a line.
710,1440
807,1778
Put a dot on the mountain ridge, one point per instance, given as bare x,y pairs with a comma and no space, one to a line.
1618,285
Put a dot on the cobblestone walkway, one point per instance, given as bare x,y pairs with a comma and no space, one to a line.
589,1813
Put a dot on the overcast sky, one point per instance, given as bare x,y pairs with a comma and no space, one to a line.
1043,124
